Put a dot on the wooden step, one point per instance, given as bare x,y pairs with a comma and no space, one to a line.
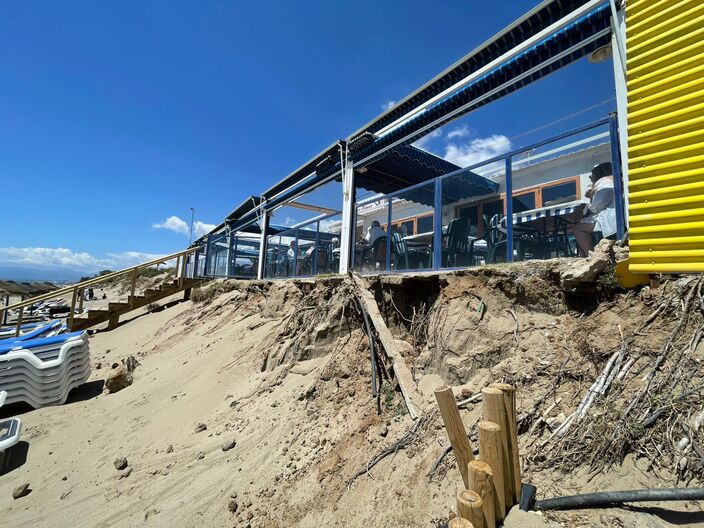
94,314
118,305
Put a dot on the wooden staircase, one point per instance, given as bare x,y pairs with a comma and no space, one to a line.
115,309
79,320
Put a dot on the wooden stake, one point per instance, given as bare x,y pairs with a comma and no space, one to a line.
469,506
455,429
510,404
481,480
494,410
490,451
459,522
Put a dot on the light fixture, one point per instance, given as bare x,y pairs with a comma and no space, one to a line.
360,141
601,54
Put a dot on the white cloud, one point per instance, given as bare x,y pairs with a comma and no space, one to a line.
388,104
424,142
477,150
458,132
175,224
64,258
288,221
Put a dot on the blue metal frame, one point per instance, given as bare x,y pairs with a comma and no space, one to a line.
509,209
618,183
388,235
437,225
314,267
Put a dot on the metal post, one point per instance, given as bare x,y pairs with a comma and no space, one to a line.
618,35
207,255
509,209
348,199
437,225
618,186
388,235
314,267
262,246
229,255
233,265
294,268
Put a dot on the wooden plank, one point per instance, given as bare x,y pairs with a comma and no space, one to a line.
494,410
455,430
491,452
398,363
510,403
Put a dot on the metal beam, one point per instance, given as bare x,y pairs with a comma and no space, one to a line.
262,244
309,207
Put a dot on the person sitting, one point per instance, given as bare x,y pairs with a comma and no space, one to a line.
373,232
600,215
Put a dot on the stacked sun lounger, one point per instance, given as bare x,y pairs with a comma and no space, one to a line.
9,429
34,331
43,371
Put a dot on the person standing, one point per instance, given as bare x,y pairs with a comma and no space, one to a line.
600,214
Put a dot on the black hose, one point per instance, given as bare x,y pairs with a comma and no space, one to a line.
607,498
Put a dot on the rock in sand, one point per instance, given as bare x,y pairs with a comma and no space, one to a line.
21,491
118,379
120,463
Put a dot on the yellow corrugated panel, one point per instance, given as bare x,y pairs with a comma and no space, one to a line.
665,58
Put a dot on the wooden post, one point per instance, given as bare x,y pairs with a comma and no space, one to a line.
177,269
19,322
455,429
73,309
490,451
481,480
133,285
459,522
469,506
510,404
182,274
494,410
81,293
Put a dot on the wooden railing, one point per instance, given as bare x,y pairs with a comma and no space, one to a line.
76,290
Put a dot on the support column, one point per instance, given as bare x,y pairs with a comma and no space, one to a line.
618,39
348,199
228,264
262,245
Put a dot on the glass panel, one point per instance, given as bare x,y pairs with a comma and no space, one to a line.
245,257
524,202
470,201
307,236
370,240
412,250
560,193
275,254
328,251
425,224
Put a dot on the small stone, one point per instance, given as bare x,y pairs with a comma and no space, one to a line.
234,403
232,505
201,455
21,491
125,473
64,477
229,445
115,365
384,431
201,427
170,449
98,365
120,463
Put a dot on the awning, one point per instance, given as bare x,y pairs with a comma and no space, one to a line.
408,166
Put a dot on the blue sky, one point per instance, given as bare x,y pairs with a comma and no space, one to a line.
116,116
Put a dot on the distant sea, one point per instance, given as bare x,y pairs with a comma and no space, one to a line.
39,275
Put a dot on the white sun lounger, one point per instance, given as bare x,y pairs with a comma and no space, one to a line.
9,429
42,372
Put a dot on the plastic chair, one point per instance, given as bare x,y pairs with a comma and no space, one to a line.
457,233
